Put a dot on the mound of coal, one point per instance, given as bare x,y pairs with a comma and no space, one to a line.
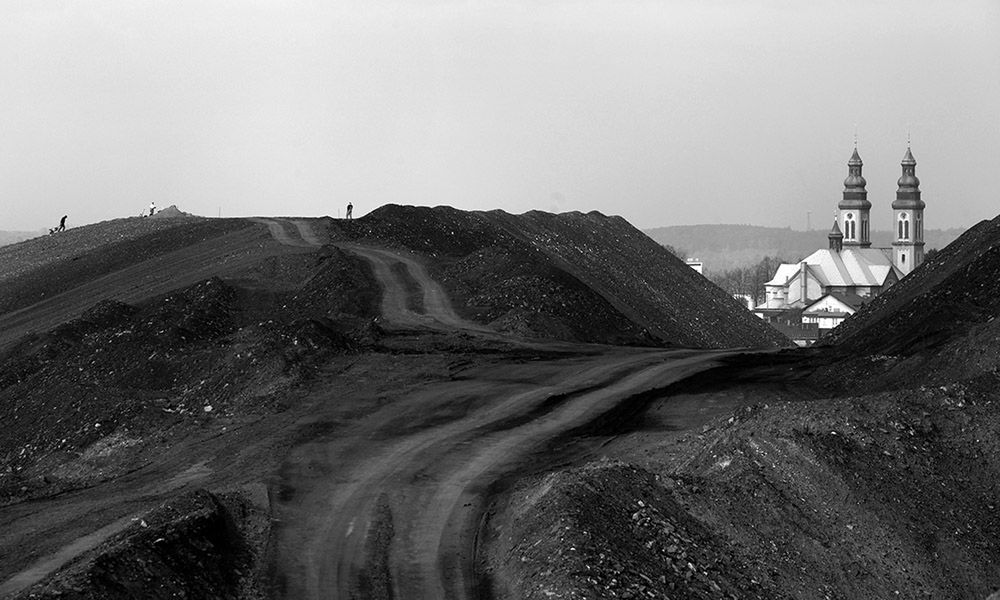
570,276
610,530
122,375
195,546
171,212
876,496
45,266
936,325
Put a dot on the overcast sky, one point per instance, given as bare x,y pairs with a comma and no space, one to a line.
666,112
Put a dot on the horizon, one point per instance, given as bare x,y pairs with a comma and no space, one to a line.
665,114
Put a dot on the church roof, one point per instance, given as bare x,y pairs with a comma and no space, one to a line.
784,273
850,267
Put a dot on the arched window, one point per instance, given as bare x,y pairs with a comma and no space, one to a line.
902,259
849,226
904,227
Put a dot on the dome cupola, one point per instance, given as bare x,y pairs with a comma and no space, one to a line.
855,194
908,193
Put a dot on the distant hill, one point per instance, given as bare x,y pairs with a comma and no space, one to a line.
723,247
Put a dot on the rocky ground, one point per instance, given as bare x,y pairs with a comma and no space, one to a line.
862,470
572,276
865,469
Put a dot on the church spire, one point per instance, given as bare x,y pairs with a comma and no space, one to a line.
836,237
908,212
854,208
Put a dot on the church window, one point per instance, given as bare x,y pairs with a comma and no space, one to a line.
902,259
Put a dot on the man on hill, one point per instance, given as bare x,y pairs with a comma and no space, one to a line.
62,224
152,208
350,210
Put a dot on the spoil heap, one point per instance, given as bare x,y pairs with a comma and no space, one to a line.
572,276
865,469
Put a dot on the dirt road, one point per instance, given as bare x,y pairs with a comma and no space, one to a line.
393,509
381,501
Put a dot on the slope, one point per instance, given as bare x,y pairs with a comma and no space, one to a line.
572,276
937,324
867,468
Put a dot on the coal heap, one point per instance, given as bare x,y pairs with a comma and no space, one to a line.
573,276
940,320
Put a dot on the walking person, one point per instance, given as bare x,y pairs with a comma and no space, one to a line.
152,208
350,210
62,224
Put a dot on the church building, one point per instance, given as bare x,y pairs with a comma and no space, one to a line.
830,284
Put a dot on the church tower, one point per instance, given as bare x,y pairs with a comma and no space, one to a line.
854,209
908,217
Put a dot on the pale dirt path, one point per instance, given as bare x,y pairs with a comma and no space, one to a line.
433,480
291,232
437,310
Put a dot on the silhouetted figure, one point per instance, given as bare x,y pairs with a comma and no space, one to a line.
62,224
350,210
152,208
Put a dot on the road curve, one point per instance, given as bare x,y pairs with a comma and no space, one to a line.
391,508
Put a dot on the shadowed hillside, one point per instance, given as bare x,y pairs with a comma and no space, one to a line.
939,322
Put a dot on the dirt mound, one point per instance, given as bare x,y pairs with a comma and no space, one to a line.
121,372
877,496
937,325
611,530
871,497
44,267
171,212
572,276
195,546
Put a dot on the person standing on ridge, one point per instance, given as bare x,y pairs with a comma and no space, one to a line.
350,210
62,224
152,208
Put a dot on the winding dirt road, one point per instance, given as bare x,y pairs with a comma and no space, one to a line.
388,504
393,508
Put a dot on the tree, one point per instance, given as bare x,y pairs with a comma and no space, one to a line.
679,253
750,280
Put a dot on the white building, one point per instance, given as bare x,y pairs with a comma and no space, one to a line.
836,280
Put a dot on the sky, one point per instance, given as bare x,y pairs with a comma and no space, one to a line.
666,112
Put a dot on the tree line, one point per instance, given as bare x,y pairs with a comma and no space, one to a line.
745,281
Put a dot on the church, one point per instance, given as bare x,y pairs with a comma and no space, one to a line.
831,284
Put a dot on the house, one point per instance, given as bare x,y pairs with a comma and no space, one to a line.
831,310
